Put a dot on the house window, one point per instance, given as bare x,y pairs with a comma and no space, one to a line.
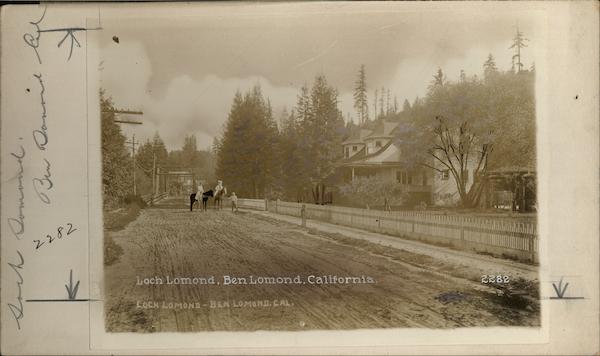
377,143
354,148
446,174
347,153
402,177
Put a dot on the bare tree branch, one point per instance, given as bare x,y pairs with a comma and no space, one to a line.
432,167
439,159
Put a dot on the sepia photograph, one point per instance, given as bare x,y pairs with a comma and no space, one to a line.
284,170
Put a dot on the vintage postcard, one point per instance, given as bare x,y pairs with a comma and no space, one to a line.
306,178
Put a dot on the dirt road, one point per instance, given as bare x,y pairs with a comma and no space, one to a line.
386,287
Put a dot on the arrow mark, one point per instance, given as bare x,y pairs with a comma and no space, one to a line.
560,290
72,290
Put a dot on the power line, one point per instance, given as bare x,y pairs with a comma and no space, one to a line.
132,142
123,111
128,122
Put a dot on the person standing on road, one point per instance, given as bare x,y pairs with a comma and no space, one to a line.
234,200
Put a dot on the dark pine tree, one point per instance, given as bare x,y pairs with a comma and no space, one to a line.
117,167
246,158
360,97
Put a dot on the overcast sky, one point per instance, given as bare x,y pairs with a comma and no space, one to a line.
183,71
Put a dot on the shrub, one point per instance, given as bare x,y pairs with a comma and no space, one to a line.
112,251
373,191
135,199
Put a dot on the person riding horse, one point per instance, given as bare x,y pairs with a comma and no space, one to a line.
195,198
218,187
199,192
219,192
200,196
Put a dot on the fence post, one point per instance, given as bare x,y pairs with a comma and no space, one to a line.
462,231
266,204
532,249
303,215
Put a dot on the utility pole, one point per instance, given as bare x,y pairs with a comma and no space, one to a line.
124,111
153,171
157,180
133,143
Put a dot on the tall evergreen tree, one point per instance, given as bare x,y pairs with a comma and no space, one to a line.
117,167
216,146
518,42
189,152
159,149
323,132
361,103
303,111
190,144
292,172
283,117
439,79
303,119
381,102
145,157
489,67
406,105
246,159
388,109
375,112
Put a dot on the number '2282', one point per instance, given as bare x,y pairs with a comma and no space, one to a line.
60,233
488,279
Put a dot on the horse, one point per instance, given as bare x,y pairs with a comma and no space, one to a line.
219,198
205,196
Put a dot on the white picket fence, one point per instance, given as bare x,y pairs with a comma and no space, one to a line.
500,236
256,204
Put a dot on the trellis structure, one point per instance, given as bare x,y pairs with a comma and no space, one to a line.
519,182
184,176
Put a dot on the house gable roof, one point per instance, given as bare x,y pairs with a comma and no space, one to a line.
383,129
387,154
357,136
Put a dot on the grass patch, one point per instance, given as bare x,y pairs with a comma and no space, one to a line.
117,219
114,221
